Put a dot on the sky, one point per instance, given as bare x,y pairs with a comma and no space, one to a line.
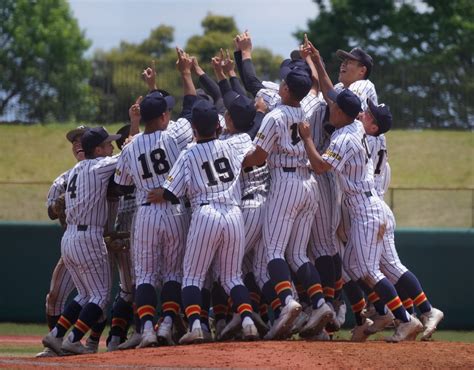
270,22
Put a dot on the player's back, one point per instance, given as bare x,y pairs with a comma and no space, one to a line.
209,171
86,201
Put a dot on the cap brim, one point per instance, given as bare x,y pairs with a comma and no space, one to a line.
332,94
71,135
111,138
345,55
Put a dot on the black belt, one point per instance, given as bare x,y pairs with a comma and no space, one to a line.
289,169
204,204
146,204
82,227
248,197
368,194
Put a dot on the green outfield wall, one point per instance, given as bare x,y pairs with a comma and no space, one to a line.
442,259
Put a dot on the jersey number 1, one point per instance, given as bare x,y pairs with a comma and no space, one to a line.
295,138
222,167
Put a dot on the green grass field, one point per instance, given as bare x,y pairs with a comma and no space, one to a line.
441,159
28,350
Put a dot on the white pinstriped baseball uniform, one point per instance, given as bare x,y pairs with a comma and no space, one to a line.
83,247
160,229
208,174
379,157
348,154
293,195
61,285
364,89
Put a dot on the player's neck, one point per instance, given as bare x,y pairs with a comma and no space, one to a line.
154,126
291,102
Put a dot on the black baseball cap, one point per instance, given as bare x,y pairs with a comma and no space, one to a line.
290,64
347,101
123,131
382,115
204,115
155,104
95,136
359,55
241,109
73,134
299,82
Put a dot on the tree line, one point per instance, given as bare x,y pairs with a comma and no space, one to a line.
422,51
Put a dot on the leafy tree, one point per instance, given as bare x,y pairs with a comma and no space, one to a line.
422,52
42,67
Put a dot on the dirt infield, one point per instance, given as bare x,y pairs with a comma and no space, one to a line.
284,354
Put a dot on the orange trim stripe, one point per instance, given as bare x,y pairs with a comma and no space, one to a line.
394,304
373,297
338,285
81,326
263,309
142,311
420,299
244,307
219,309
314,289
116,321
359,306
194,309
170,306
281,286
65,323
329,292
407,303
276,303
204,314
255,297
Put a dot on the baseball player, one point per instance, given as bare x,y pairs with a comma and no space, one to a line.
82,246
61,285
208,174
290,204
160,229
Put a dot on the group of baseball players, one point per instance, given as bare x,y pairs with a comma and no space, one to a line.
249,215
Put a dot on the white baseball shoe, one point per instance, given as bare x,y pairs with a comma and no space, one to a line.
47,352
52,342
194,336
206,333
148,339
76,348
92,345
249,330
281,327
165,333
406,330
260,324
380,322
113,344
232,328
131,342
341,312
359,332
430,321
317,321
300,322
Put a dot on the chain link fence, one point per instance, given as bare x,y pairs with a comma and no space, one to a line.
413,207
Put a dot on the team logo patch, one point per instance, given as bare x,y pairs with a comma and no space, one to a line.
330,153
170,178
260,135
118,172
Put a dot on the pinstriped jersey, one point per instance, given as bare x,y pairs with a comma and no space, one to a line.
271,97
208,172
279,137
314,107
378,150
363,89
57,188
86,201
349,156
148,158
253,180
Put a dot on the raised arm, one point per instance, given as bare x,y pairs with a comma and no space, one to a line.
252,82
205,81
324,80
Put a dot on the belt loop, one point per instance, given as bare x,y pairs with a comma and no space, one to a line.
82,227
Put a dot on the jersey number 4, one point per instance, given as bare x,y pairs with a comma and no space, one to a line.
158,160
72,187
222,167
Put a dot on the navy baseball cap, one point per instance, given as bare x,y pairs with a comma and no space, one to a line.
347,101
73,134
241,109
382,116
290,64
96,136
204,114
155,104
359,55
299,82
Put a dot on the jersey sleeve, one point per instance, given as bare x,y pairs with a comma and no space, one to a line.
105,167
57,188
364,89
242,144
270,97
122,170
181,131
338,152
268,134
178,178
